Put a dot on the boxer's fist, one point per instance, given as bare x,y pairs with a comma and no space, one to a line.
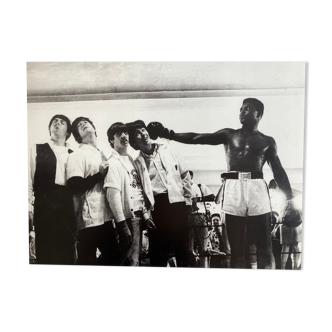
156,129
292,217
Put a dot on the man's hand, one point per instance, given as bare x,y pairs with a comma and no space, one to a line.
156,129
103,168
125,236
150,224
30,221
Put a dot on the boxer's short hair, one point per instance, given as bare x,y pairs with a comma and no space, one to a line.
259,106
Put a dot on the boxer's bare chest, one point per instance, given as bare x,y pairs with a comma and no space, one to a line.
246,152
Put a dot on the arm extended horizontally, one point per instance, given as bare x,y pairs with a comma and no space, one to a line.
219,137
78,184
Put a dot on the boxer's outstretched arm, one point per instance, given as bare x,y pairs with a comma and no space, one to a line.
219,137
279,173
156,129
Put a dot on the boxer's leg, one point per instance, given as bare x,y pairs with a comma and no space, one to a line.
253,256
261,232
236,237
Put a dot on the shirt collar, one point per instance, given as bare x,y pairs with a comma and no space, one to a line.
155,151
88,147
50,142
116,154
93,149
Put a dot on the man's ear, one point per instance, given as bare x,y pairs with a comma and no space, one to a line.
111,142
259,114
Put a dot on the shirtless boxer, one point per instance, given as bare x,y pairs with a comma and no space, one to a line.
245,194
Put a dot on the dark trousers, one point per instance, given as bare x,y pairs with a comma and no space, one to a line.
171,232
251,230
54,222
54,247
102,237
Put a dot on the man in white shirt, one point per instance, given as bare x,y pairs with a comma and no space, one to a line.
86,170
126,195
51,213
290,237
199,220
171,188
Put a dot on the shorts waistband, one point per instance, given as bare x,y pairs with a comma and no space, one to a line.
242,175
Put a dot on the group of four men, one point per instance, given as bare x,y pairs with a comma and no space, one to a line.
113,199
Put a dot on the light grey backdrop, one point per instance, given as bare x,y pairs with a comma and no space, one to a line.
188,96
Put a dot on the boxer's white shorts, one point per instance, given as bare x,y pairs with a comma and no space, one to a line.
248,197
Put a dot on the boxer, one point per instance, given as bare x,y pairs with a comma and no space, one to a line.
245,198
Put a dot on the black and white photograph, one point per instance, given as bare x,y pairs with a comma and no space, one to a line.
166,164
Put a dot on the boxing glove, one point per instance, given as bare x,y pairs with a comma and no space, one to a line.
156,129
